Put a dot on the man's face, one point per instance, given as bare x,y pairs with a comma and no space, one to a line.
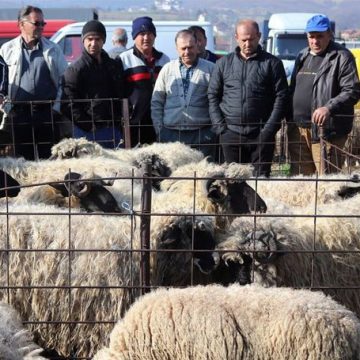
144,41
93,44
318,41
248,39
32,26
201,42
187,49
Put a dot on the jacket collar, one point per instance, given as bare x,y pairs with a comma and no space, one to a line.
156,54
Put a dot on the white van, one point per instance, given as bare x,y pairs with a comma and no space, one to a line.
69,37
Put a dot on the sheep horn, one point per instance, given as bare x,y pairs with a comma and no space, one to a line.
263,241
84,191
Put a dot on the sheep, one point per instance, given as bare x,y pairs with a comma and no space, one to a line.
92,194
174,154
300,251
249,322
100,279
323,189
219,190
16,342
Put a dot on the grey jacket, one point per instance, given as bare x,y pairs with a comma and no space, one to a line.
53,56
336,86
170,109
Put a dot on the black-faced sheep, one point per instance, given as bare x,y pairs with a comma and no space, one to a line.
237,323
312,250
77,268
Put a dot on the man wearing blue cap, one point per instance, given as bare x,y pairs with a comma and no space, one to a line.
325,88
142,64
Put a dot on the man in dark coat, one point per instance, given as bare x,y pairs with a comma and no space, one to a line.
247,100
94,86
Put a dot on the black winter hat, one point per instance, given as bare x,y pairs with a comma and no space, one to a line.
142,24
93,27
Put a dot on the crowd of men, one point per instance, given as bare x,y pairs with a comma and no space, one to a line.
235,103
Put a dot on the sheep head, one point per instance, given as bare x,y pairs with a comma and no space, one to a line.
196,238
234,196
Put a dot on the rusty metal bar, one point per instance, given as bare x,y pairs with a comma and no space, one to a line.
322,151
145,229
126,119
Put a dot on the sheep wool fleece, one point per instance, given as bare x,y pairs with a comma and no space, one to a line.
249,322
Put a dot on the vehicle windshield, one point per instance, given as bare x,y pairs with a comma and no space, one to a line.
287,46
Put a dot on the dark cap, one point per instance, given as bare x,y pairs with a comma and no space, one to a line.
93,27
318,23
142,24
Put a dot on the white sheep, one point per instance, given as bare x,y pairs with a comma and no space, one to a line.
175,154
301,191
92,254
16,342
237,323
302,251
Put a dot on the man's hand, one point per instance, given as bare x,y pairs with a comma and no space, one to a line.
320,116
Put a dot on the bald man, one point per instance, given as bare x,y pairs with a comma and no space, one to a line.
247,100
119,39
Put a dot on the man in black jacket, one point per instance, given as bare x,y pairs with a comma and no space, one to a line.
247,99
325,88
93,86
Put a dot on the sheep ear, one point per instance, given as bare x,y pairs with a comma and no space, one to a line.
60,187
347,192
245,199
6,179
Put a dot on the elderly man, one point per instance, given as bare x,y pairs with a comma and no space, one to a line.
98,78
179,105
247,96
142,64
119,40
35,69
326,73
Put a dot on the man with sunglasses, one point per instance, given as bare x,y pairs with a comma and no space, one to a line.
36,66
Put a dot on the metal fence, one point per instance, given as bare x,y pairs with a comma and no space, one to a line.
65,269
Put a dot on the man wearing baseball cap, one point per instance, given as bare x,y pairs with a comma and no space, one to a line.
142,64
325,88
97,78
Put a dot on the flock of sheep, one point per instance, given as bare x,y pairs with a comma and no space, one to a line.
235,246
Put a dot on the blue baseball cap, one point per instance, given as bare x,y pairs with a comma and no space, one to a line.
318,23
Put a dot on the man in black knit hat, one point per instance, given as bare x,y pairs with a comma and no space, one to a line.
99,79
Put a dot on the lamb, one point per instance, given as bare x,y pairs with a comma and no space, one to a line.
96,264
16,343
249,322
301,252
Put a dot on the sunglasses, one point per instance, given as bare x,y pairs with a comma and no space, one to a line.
36,23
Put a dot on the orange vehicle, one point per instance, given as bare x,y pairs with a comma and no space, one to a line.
9,28
356,53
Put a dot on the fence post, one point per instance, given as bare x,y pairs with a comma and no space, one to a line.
323,166
126,119
145,230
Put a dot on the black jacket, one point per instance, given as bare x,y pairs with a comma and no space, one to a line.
336,86
248,96
87,79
